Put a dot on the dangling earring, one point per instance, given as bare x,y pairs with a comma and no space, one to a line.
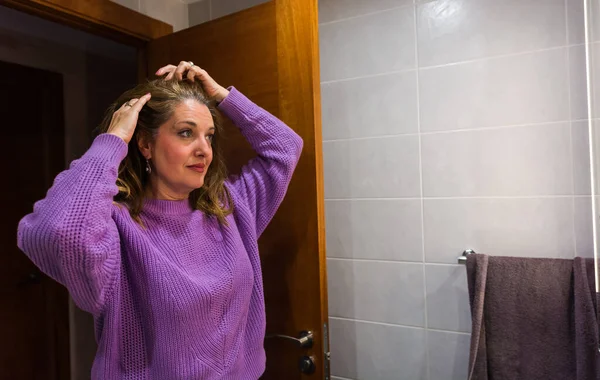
148,168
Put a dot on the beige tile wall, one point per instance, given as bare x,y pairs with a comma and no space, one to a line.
447,125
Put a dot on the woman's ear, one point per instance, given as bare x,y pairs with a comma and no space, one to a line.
144,145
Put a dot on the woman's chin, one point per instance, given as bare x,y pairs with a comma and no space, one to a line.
186,186
194,185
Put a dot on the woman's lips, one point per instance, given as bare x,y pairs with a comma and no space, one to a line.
198,168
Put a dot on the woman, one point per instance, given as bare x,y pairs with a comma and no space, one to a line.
149,235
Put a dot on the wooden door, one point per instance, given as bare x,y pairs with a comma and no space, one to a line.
34,319
270,53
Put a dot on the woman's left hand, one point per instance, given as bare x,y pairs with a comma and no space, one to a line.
192,72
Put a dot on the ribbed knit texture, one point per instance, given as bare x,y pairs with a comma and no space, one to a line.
182,298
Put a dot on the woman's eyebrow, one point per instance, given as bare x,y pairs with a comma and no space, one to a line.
192,124
187,122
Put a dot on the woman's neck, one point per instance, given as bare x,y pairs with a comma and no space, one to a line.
160,191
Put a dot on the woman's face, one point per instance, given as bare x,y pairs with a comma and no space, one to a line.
181,151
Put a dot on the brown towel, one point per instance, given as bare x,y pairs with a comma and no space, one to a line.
533,319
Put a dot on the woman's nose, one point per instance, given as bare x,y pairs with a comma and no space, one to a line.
202,147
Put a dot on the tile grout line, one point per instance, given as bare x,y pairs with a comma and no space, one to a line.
457,63
499,197
398,325
326,23
463,130
349,79
497,56
452,131
405,262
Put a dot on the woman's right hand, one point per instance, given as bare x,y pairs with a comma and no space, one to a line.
125,119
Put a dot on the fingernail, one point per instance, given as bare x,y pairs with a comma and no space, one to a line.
157,72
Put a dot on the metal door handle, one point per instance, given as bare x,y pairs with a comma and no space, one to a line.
304,341
307,365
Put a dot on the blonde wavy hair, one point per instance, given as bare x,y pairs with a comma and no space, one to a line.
212,198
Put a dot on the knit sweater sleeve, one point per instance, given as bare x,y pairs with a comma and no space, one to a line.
264,180
70,235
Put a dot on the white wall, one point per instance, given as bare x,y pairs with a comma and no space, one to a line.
174,12
206,10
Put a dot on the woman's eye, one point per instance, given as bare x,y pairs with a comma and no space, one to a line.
210,137
186,133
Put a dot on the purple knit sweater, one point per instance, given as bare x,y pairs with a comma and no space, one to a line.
183,298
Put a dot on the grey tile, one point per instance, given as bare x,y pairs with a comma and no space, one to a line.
376,291
584,237
199,12
131,4
581,158
171,12
372,168
447,297
331,10
534,227
578,86
448,355
369,351
517,161
373,44
576,22
367,107
522,89
220,8
374,229
458,30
